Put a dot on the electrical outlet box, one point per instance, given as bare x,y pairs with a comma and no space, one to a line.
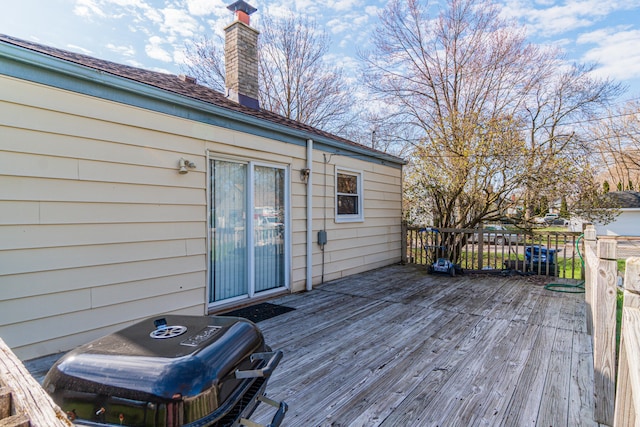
322,237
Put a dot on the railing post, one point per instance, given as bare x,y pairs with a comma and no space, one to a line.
628,390
604,332
403,243
480,248
23,396
589,273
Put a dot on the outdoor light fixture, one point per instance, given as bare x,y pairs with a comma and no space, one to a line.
183,164
304,174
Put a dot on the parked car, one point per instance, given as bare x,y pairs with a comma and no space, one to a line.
547,219
505,235
560,221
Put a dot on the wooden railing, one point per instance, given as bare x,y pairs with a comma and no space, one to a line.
628,388
23,403
601,296
615,404
486,249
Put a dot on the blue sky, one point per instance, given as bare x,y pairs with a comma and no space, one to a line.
152,33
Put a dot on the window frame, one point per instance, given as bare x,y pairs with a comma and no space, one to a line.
359,217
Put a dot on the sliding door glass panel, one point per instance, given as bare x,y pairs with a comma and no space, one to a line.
229,277
269,227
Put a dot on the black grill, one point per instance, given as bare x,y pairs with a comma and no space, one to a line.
170,371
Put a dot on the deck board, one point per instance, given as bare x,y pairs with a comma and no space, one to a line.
398,347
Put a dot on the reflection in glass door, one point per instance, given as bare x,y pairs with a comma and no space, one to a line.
268,231
248,252
229,276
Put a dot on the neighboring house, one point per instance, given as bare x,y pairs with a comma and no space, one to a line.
125,193
627,223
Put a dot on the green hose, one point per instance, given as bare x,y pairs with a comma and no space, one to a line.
565,287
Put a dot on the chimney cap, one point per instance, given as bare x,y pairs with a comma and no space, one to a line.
242,6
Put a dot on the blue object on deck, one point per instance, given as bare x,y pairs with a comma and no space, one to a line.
540,254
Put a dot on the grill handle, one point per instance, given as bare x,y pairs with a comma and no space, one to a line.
272,358
277,419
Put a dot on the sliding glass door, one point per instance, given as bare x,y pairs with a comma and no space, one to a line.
268,230
248,229
229,230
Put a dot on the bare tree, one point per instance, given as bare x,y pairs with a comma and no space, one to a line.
295,80
618,136
205,62
560,140
461,79
482,98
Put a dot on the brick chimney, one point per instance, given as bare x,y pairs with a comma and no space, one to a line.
241,57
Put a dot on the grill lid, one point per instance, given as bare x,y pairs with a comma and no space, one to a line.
168,357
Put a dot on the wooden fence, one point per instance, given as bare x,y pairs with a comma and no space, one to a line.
540,252
615,404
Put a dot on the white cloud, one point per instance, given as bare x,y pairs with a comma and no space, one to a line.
616,51
207,7
549,18
179,22
337,26
79,49
130,3
155,50
122,50
87,9
344,5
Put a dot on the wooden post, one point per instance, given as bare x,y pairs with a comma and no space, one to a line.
604,332
628,384
30,405
589,273
403,243
480,248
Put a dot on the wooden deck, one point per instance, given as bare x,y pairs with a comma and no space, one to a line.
398,347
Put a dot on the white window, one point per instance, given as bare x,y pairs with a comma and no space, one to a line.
349,196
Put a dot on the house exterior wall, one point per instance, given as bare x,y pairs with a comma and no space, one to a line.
625,224
98,230
354,247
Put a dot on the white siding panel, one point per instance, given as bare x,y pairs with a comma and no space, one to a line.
19,164
130,291
27,260
20,334
47,282
82,125
97,213
42,306
44,236
25,189
136,174
58,344
12,212
86,148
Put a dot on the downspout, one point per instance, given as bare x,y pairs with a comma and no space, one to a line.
309,215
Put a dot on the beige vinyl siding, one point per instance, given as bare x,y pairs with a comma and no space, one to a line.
354,247
98,229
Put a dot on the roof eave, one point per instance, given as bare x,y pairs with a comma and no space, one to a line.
27,64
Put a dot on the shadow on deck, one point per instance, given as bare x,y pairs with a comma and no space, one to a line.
398,347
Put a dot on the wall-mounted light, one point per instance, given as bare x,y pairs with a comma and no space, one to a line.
183,164
304,174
